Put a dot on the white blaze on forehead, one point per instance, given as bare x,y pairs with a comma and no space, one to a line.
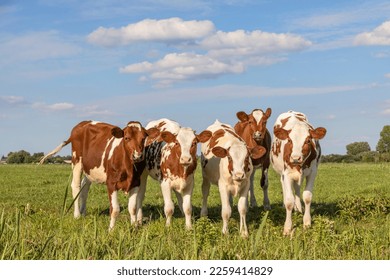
136,125
95,122
298,136
258,115
185,138
238,152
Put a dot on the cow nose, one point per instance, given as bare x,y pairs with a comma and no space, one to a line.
296,159
137,156
185,160
257,135
239,176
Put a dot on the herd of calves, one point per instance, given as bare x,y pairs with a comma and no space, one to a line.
123,159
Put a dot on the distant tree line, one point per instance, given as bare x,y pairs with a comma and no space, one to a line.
361,151
23,156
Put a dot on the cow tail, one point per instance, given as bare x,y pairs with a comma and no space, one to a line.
56,150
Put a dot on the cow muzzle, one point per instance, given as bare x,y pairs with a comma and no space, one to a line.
137,157
185,161
257,136
296,160
239,176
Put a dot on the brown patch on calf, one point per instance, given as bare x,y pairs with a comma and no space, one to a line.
309,147
214,139
172,162
284,121
276,148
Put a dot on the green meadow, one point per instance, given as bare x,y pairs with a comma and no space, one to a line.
350,212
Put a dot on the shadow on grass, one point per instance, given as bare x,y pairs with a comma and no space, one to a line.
277,214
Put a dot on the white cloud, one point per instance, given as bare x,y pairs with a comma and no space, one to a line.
379,36
13,100
386,112
183,66
208,53
387,75
242,42
165,30
63,106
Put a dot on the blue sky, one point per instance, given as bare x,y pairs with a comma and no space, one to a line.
62,62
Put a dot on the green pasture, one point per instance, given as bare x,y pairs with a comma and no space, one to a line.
350,211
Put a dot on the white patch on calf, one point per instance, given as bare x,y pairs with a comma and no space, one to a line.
258,115
115,143
95,122
185,138
136,125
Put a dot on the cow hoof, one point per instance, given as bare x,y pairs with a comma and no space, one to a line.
244,234
189,227
287,232
253,204
203,213
267,207
307,226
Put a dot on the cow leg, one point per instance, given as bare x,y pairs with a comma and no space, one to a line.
242,209
252,198
132,205
135,205
288,200
77,170
187,206
226,208
307,197
168,203
264,187
297,197
85,184
114,207
179,201
205,195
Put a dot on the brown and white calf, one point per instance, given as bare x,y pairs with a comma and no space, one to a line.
295,156
171,160
253,129
104,153
226,162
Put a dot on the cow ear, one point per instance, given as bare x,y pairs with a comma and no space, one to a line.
281,133
318,133
168,137
242,116
204,136
219,152
257,152
153,132
268,112
117,132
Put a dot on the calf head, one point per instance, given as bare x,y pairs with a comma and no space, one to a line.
185,143
134,135
238,156
256,123
300,143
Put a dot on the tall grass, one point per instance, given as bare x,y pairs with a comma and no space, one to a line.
350,220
